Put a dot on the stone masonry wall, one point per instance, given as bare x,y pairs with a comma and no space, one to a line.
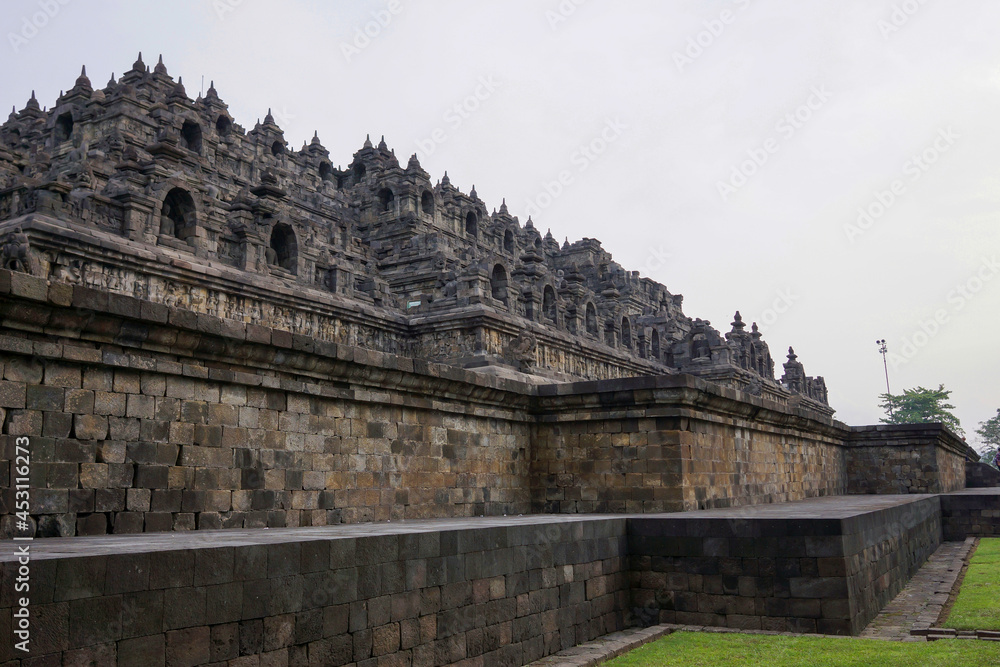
905,458
883,550
674,443
819,574
420,595
155,422
971,512
144,417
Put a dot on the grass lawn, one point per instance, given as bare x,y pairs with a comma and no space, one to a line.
705,649
978,604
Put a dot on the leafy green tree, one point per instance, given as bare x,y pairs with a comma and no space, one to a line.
989,433
920,406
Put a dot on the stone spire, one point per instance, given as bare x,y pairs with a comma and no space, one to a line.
738,324
160,67
178,92
368,141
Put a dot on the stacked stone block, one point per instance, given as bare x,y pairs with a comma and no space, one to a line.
660,445
506,594
821,572
971,512
905,458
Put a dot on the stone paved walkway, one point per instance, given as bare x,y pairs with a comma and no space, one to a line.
919,604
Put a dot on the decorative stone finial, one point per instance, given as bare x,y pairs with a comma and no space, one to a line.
138,65
473,193
82,81
368,141
178,90
381,144
738,324
445,180
160,67
503,206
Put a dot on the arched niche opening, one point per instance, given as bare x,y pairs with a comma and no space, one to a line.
626,334
472,224
223,125
538,243
278,148
549,303
427,203
283,250
359,173
191,136
385,200
178,216
325,171
609,333
508,242
498,283
64,127
591,319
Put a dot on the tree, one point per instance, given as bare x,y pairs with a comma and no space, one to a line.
989,432
920,406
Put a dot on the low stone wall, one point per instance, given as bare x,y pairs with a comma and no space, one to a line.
971,513
675,443
815,566
980,475
490,592
905,458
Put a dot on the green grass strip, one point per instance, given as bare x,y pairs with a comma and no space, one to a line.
978,604
705,649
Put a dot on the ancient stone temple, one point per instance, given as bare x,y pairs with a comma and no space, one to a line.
139,190
313,415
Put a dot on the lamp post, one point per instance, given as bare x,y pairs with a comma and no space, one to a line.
883,349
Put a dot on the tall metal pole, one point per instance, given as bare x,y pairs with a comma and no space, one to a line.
883,349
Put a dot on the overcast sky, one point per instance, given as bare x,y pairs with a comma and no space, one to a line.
725,149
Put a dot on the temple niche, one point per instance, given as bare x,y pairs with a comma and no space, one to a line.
375,252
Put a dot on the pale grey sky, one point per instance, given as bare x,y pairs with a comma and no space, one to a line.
725,149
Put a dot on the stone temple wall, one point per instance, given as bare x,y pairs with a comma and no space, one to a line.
144,417
906,458
673,443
